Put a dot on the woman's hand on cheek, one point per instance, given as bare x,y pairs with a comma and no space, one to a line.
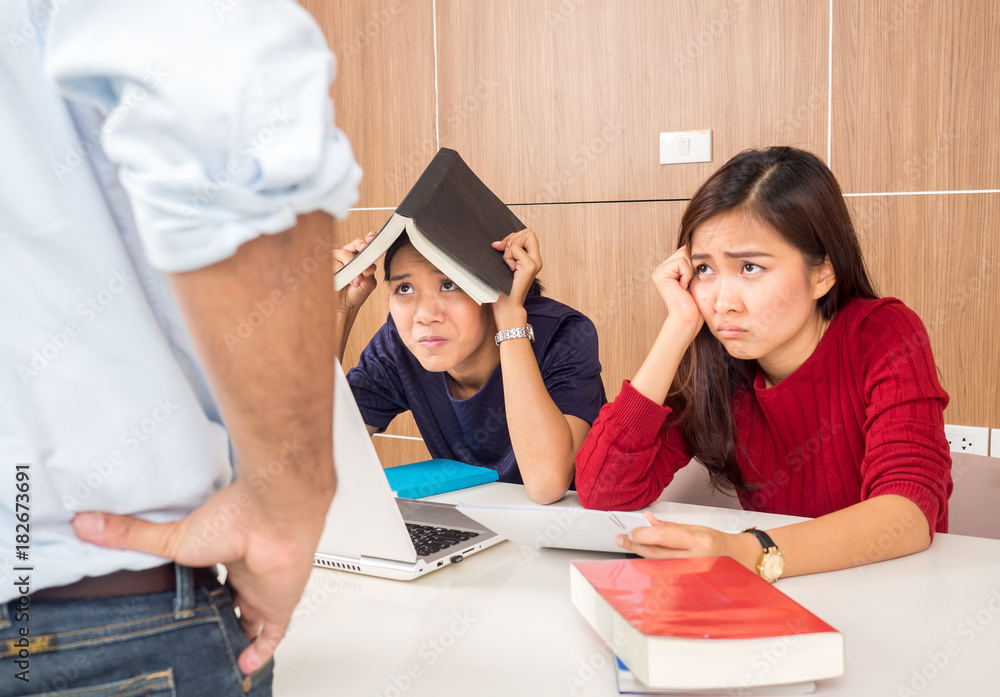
522,255
664,540
673,280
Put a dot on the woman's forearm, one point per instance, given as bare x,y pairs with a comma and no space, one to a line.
883,527
540,434
655,375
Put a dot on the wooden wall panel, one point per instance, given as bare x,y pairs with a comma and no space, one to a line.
384,91
563,101
916,90
393,452
941,256
598,258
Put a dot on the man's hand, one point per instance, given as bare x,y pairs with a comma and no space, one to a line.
275,388
267,568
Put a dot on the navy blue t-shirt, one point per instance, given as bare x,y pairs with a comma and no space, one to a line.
389,380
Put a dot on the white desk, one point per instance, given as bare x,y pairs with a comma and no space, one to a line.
501,623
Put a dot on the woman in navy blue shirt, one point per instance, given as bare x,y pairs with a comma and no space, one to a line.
518,405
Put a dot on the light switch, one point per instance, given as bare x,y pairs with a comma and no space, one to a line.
685,146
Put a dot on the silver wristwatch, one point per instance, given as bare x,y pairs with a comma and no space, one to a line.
525,332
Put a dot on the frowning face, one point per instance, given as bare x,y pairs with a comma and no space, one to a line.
757,294
445,329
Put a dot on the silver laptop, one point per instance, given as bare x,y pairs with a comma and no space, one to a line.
368,530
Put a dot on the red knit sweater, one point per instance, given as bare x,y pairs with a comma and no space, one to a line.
860,418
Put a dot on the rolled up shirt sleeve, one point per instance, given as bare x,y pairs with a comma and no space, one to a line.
217,114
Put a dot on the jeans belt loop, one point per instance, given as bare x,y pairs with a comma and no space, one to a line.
184,602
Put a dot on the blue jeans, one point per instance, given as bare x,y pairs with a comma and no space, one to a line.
182,643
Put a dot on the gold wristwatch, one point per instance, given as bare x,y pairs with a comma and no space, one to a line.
771,563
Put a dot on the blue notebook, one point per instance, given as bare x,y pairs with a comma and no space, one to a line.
430,477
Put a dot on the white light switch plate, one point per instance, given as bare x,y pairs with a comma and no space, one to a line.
679,147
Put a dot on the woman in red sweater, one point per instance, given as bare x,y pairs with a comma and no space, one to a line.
782,372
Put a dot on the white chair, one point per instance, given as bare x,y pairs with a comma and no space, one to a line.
974,506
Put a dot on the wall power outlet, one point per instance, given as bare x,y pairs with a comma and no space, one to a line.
968,439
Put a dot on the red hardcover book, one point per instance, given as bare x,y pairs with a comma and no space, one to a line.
703,623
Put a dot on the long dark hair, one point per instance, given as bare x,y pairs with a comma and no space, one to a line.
536,286
793,193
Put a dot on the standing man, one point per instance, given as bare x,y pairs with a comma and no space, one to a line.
165,369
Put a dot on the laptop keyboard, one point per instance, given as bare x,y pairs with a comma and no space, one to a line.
427,539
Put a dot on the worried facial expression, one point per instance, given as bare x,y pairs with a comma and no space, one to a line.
757,294
444,328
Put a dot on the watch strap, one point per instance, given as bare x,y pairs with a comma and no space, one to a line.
764,539
525,332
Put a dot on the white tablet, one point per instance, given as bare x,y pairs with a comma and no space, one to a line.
557,526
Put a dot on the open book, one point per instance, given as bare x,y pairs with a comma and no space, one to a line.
451,218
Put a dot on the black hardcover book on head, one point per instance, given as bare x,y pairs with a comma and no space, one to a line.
451,218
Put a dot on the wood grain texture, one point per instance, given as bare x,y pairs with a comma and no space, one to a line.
598,258
564,100
393,452
941,256
916,95
384,91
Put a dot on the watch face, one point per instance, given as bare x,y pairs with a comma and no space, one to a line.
771,566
